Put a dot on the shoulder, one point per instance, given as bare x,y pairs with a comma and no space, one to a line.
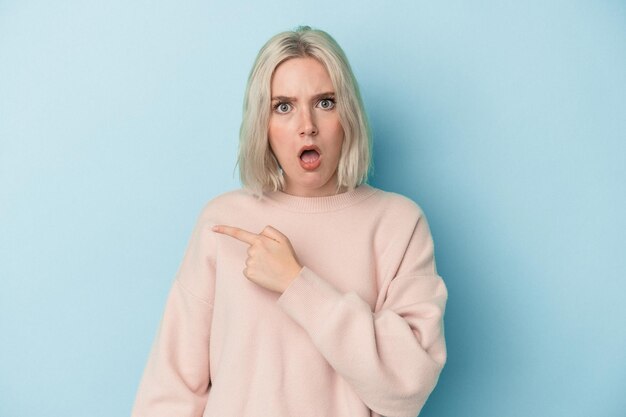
397,205
227,202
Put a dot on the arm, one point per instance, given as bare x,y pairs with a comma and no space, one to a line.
392,357
176,380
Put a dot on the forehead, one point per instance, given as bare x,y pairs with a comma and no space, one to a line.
300,76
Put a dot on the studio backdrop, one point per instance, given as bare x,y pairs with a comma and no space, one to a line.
505,121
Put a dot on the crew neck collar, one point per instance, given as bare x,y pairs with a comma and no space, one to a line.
320,204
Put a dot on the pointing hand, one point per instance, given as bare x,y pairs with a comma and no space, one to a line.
271,261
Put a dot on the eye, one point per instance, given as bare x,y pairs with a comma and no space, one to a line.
327,103
282,107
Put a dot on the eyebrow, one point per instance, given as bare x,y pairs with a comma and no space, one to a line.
315,97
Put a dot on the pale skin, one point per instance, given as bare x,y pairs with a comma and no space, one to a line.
271,261
303,113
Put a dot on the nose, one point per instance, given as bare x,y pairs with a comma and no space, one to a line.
308,126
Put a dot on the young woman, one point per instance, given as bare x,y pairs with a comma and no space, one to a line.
307,292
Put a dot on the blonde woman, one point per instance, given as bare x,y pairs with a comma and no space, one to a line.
307,292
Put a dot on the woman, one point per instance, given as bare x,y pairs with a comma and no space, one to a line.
307,292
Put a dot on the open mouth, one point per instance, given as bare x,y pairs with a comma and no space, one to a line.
310,157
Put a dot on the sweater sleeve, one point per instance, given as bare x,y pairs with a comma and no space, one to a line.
392,357
176,380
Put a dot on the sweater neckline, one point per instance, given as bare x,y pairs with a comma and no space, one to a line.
320,204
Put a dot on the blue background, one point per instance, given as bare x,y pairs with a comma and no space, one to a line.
506,122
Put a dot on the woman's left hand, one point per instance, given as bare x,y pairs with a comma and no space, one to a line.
271,261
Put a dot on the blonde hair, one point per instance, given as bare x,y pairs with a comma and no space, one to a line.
259,169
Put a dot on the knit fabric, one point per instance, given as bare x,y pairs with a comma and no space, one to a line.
359,331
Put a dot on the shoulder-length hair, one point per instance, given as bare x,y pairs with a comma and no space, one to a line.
259,169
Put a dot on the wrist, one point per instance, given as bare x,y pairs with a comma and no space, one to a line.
293,275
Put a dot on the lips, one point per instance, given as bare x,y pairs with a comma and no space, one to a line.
310,157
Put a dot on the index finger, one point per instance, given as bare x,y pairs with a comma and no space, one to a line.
237,233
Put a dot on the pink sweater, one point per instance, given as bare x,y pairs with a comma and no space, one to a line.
359,332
